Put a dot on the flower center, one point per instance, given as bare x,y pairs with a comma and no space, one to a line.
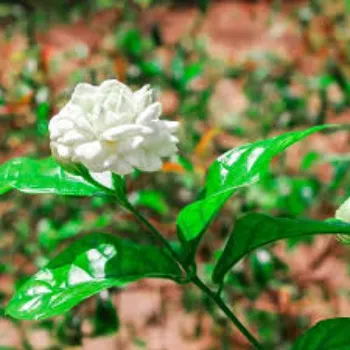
110,145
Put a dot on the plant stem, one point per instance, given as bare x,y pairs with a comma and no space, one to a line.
157,234
195,279
221,304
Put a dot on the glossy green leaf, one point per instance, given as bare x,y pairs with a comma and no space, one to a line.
88,266
42,176
332,334
239,167
256,230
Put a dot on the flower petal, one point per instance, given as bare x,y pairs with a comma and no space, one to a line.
104,178
91,155
151,163
122,167
152,112
84,95
170,126
61,151
125,131
113,85
143,98
73,136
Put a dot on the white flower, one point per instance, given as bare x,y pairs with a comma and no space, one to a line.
343,212
111,128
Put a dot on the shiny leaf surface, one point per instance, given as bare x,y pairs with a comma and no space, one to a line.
332,334
88,266
236,168
42,176
256,230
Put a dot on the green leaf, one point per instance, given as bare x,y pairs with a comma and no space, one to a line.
239,167
332,334
42,176
88,266
255,230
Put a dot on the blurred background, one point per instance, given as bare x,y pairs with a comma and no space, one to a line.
231,72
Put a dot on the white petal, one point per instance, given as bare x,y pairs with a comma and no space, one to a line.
167,149
174,139
122,167
139,94
104,178
110,161
62,151
144,161
151,163
84,125
143,98
85,96
72,136
125,131
137,158
58,126
110,119
89,151
136,142
343,212
124,104
84,89
170,125
113,85
150,113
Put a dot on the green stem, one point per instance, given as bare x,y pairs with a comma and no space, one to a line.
195,280
220,303
156,233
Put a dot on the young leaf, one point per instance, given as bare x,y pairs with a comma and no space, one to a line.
42,176
236,168
255,230
332,334
88,266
